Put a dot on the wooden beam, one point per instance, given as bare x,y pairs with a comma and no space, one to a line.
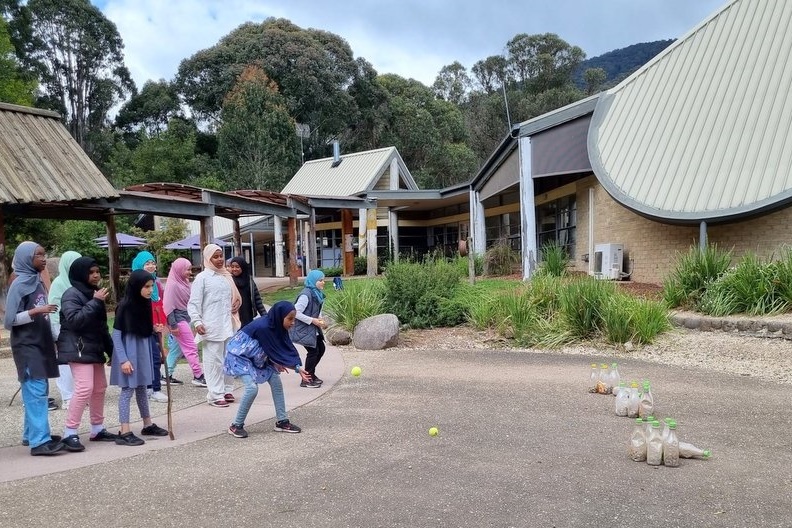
112,249
291,235
4,274
347,235
238,238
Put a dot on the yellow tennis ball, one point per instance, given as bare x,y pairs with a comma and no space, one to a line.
355,371
433,431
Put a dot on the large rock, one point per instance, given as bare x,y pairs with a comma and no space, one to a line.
338,336
376,333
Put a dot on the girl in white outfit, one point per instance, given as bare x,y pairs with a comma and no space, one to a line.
214,314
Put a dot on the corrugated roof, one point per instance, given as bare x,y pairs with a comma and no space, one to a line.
357,173
702,132
41,162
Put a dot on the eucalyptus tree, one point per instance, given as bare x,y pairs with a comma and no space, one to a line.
542,62
150,109
452,83
80,56
258,145
15,86
490,73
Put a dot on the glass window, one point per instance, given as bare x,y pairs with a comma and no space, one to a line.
556,222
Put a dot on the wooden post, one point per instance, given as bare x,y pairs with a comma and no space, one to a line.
372,263
347,234
207,232
3,265
291,235
112,253
238,239
311,239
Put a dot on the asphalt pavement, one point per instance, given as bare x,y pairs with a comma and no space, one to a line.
521,443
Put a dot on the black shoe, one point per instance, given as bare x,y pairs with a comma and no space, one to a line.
310,384
53,438
237,431
154,430
103,436
48,449
286,426
51,405
316,379
129,439
173,381
73,444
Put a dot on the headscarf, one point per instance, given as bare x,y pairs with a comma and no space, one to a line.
133,314
26,282
78,275
236,299
273,338
311,279
61,282
137,264
177,293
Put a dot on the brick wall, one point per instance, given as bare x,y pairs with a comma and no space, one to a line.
651,248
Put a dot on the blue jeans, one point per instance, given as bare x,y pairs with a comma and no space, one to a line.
36,429
251,391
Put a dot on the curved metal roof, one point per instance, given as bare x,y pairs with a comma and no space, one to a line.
702,132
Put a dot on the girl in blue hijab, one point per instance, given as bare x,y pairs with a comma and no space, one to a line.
308,327
258,353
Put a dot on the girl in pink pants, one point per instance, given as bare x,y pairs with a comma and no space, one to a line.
180,340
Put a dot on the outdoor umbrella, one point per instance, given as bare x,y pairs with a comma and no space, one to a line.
193,242
124,241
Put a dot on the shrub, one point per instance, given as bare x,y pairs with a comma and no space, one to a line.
649,319
361,265
554,260
582,302
463,265
500,259
357,301
332,272
414,291
692,273
617,319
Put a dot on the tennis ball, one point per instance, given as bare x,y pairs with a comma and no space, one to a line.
433,431
355,371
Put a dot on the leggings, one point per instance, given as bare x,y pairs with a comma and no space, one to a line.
125,399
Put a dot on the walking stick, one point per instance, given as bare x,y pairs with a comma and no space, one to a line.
167,387
14,396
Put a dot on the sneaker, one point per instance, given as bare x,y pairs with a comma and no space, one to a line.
200,381
51,405
103,436
154,430
129,439
218,403
315,379
172,380
286,426
237,431
65,405
53,438
229,398
158,396
310,384
73,444
48,448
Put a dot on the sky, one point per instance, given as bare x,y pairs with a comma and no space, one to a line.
411,38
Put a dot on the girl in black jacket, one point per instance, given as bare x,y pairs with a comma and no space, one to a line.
252,304
84,343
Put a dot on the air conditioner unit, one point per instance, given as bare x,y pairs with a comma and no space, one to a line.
608,261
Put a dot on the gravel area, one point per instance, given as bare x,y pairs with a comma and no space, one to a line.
762,358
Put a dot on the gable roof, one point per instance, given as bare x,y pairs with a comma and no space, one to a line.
701,132
41,162
357,173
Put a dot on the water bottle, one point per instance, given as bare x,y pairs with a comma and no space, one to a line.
648,424
615,378
687,450
593,378
622,399
637,446
646,406
604,380
666,422
633,401
654,446
671,447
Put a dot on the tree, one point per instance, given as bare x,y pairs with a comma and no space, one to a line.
258,146
14,86
594,79
452,83
542,62
372,103
80,54
311,68
490,73
151,109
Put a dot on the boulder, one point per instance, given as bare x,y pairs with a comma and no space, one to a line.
338,336
377,332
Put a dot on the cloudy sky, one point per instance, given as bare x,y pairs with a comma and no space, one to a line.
411,38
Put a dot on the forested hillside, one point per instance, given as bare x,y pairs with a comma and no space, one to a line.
620,63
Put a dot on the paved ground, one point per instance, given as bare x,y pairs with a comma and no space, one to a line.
521,443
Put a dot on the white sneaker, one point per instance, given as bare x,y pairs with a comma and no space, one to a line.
158,396
65,405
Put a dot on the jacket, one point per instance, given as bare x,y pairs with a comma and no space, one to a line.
84,337
302,333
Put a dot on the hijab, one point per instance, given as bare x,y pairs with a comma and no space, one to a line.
137,264
243,281
133,314
274,339
177,294
26,282
78,275
311,279
236,298
61,282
